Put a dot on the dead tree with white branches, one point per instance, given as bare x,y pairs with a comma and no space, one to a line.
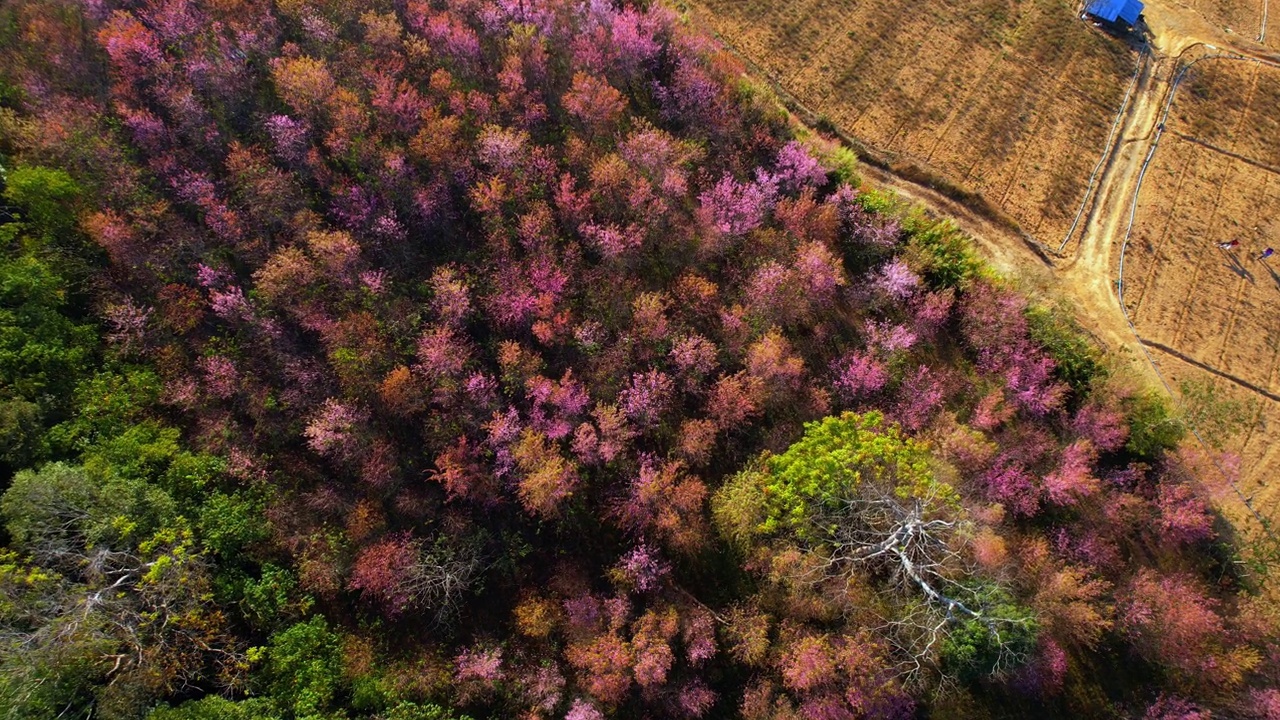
916,545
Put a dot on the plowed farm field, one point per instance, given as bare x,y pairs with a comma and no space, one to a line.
1208,313
1011,99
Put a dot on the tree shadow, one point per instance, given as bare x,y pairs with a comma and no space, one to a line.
1233,264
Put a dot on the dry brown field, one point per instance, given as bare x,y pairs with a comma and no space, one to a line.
1208,313
1240,20
1232,106
1240,17
1012,99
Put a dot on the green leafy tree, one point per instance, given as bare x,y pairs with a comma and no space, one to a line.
218,708
191,477
43,352
44,680
142,452
46,198
60,511
232,523
274,598
974,648
303,670
21,433
45,348
836,458
107,404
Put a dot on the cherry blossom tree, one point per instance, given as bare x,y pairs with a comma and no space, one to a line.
547,477
797,168
604,665
651,643
1073,479
647,397
594,102
665,503
334,431
1184,516
859,376
736,208
1171,621
642,569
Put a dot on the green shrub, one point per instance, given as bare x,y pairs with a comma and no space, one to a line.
414,711
1079,361
217,708
843,164
303,670
1153,425
943,252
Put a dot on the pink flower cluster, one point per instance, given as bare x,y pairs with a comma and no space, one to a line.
643,568
483,664
858,376
647,396
797,168
737,208
897,280
332,431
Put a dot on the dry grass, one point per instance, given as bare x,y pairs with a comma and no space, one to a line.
1242,18
1011,100
1232,106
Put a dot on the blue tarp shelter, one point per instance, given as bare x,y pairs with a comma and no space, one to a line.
1126,11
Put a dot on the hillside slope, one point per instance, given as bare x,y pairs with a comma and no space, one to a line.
516,359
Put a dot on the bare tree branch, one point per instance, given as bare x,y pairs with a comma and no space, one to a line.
914,545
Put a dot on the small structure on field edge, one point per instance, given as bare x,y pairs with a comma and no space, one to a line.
1118,14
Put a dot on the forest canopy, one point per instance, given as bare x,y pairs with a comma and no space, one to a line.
523,358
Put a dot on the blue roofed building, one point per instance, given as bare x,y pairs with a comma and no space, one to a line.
1119,12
